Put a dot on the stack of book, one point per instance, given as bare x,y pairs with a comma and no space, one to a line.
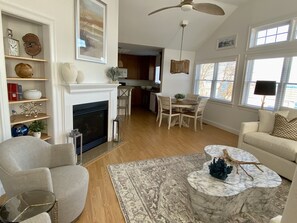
15,92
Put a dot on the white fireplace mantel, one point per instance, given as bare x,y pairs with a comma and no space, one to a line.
89,87
74,94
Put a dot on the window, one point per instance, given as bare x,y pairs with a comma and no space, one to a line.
205,79
273,33
157,75
290,90
283,70
216,80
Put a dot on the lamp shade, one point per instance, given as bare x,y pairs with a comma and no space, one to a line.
265,87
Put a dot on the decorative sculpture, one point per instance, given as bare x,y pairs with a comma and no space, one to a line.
31,109
238,163
219,169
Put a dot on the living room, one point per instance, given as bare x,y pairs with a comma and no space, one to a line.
227,116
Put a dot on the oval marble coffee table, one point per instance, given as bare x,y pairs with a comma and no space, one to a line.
214,200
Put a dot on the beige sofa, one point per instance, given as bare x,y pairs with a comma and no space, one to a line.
279,154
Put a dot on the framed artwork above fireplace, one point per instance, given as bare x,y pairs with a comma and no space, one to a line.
90,24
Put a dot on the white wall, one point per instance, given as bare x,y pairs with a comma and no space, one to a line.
176,83
229,117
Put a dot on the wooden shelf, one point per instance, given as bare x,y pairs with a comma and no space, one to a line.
18,119
45,136
26,79
25,58
28,100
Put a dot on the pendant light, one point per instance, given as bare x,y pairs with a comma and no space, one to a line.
181,66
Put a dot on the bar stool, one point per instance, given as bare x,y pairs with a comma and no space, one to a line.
123,100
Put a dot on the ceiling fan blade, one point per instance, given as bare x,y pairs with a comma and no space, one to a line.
208,8
186,2
170,7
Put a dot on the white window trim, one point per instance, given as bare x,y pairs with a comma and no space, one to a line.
272,23
235,58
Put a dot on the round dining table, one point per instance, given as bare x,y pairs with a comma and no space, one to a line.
185,103
180,105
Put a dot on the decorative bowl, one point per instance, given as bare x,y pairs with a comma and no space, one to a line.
19,130
23,70
32,94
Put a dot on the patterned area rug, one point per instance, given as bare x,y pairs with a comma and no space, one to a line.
154,191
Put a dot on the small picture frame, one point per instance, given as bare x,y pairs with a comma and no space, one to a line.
227,42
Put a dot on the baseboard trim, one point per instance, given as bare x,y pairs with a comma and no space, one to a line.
220,126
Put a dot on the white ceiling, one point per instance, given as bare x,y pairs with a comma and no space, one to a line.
163,30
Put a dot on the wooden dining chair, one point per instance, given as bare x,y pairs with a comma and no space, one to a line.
166,110
159,106
193,97
196,114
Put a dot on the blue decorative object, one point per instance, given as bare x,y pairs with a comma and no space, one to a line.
219,169
19,130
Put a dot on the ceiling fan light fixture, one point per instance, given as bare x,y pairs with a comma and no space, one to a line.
186,7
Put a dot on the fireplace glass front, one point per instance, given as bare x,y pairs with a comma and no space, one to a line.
91,120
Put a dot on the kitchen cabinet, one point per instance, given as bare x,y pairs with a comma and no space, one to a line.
146,99
139,67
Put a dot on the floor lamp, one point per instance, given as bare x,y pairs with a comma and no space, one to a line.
265,88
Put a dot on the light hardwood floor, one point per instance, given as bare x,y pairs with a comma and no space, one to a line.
143,139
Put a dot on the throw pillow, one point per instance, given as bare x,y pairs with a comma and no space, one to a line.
266,118
284,128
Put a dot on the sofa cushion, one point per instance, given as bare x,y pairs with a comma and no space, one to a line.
281,147
285,128
266,118
292,112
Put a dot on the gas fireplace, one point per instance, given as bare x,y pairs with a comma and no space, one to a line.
91,120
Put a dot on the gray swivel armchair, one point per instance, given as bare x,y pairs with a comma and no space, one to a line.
28,163
41,218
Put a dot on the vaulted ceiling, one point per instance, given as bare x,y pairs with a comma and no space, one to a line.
163,30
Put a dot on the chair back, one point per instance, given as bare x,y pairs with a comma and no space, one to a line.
124,92
165,103
193,97
157,95
200,106
23,153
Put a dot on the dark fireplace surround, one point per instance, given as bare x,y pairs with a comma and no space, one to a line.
91,120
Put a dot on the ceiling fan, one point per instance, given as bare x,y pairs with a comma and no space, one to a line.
187,5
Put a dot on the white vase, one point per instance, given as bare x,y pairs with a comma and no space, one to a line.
32,94
80,77
37,134
69,73
114,82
